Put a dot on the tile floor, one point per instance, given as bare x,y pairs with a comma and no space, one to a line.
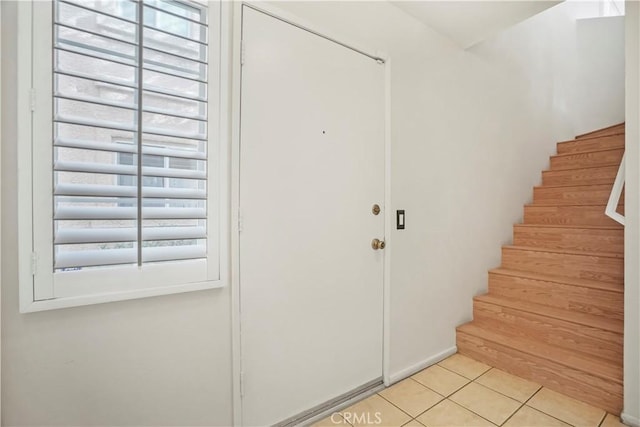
460,391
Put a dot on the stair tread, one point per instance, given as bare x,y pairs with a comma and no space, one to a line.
592,320
593,132
565,280
561,205
594,366
579,168
577,186
575,227
599,150
587,138
566,251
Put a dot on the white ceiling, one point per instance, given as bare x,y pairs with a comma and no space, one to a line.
472,21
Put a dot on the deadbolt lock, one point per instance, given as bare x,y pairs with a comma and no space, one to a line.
377,244
375,209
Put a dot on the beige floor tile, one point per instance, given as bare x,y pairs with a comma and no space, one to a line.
464,366
448,414
485,402
514,387
413,423
566,409
529,417
334,419
411,396
612,421
374,410
441,380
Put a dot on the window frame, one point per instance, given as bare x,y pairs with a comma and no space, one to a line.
41,288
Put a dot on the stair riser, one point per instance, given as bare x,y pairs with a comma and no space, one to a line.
568,215
592,144
579,266
577,384
588,176
571,336
604,132
572,298
581,239
585,160
586,195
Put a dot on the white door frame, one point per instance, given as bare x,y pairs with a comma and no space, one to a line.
236,72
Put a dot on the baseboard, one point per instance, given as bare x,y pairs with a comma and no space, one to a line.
629,420
407,372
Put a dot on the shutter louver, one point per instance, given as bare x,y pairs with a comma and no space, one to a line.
130,132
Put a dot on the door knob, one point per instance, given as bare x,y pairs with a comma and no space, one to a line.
377,244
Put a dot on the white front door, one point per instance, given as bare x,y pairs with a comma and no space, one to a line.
311,169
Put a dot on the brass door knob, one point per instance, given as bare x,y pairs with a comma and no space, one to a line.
377,244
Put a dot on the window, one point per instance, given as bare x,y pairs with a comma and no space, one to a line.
125,136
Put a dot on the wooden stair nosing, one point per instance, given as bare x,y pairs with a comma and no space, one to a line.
605,302
583,159
577,187
595,132
565,251
593,366
616,140
568,215
595,175
592,321
605,267
597,194
563,280
549,374
572,299
588,239
587,340
587,138
585,227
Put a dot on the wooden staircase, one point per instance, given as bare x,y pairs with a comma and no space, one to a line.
554,310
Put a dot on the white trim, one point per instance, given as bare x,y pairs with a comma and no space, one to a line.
24,138
614,197
407,372
46,290
295,20
389,225
236,81
67,302
0,198
341,406
630,420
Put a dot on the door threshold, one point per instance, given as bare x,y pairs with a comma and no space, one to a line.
323,410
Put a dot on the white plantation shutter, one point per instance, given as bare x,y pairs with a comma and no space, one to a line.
130,132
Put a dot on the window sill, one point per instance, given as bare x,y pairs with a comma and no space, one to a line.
68,302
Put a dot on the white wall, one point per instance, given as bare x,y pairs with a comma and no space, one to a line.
157,361
472,22
471,132
599,73
631,411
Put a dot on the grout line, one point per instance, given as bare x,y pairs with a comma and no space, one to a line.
522,405
604,417
393,404
453,392
463,376
473,412
511,397
552,416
